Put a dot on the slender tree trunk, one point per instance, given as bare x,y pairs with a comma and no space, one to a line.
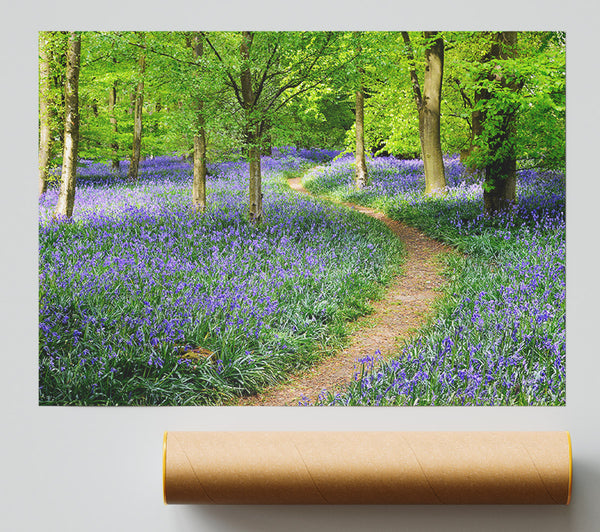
252,133
499,186
199,181
361,176
137,121
429,109
46,112
58,57
112,102
255,188
66,196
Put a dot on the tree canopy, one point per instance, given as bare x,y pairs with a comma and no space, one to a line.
249,91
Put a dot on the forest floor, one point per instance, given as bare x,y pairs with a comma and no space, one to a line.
407,305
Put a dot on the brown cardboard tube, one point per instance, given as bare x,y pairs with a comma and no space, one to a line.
367,467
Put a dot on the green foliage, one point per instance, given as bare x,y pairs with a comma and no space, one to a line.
532,93
304,83
55,44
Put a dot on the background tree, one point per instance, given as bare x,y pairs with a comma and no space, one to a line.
272,69
536,70
66,196
318,118
302,92
199,180
112,102
53,56
138,111
540,72
46,110
253,128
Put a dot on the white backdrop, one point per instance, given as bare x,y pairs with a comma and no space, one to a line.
99,469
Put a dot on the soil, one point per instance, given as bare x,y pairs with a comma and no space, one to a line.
406,306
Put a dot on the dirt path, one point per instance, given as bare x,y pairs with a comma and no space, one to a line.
404,308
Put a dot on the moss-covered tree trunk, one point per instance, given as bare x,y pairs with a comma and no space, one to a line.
46,111
66,195
499,186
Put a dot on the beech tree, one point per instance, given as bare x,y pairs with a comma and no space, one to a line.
199,180
66,196
45,109
137,113
252,130
273,68
361,177
498,117
220,94
52,69
112,103
428,107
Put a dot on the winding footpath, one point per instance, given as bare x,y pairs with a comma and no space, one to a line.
405,307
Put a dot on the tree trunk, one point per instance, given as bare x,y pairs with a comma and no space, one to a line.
501,177
66,196
112,102
499,186
428,107
252,133
137,121
255,188
199,181
46,112
360,173
429,116
361,176
58,58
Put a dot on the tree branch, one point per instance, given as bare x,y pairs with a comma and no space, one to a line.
234,85
264,76
148,49
466,100
413,71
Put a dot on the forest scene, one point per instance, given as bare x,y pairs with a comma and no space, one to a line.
311,218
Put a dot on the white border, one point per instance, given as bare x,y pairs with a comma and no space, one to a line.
100,468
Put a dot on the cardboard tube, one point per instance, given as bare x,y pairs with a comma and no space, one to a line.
367,467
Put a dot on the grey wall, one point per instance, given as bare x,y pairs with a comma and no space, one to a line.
99,469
